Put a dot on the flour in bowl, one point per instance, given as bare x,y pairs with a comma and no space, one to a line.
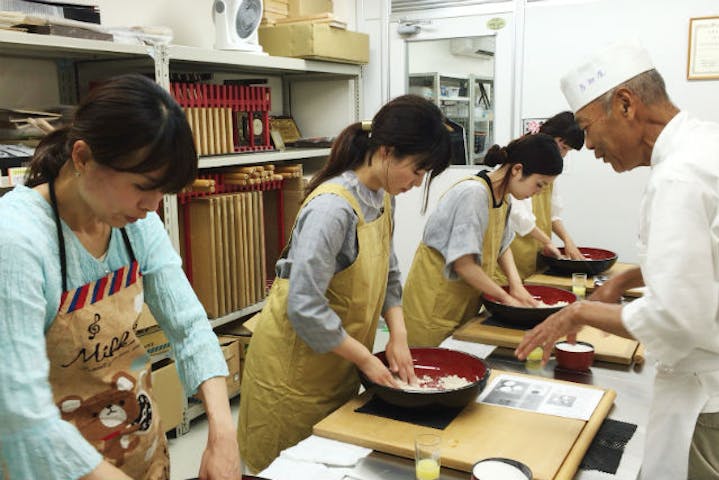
497,470
432,384
560,303
574,347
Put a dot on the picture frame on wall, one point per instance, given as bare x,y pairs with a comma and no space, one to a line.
532,125
703,57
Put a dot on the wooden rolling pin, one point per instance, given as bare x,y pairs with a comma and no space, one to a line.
290,168
236,176
206,185
237,181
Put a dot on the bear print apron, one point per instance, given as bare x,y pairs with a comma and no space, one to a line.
100,372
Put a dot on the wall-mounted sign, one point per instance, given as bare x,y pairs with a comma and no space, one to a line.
703,61
531,125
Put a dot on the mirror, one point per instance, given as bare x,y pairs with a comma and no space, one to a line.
457,74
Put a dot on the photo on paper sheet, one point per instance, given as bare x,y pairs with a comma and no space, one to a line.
534,395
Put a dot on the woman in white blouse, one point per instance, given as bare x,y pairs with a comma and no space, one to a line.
534,219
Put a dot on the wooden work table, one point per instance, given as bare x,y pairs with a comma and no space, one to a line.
631,383
565,282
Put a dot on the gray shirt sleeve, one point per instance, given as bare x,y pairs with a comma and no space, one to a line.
316,253
324,242
458,225
393,297
508,234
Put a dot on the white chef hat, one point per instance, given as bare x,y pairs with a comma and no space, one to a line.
604,70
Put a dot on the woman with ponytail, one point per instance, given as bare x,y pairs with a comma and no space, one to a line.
534,219
337,275
466,237
84,259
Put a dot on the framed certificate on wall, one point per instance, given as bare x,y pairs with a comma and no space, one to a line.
703,59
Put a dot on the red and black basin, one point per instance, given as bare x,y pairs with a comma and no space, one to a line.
528,317
596,260
435,363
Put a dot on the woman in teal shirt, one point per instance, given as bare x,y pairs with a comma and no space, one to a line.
82,256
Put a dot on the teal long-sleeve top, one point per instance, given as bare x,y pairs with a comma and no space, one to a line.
35,443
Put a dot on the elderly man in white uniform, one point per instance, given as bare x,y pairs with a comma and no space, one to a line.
621,103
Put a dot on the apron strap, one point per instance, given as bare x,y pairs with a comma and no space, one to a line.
128,246
61,237
483,175
342,192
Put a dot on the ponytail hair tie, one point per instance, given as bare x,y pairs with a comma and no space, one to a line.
366,125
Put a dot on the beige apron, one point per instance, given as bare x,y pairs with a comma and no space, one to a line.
525,248
100,372
287,387
435,306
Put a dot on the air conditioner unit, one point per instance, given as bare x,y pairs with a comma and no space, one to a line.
473,47
236,24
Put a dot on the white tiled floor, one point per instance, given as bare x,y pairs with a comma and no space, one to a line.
186,451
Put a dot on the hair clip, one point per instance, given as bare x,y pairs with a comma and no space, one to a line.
366,125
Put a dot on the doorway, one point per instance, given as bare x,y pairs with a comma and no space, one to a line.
464,65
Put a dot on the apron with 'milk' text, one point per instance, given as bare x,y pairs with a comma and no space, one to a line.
100,372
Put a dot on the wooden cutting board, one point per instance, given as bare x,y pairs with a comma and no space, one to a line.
553,447
607,347
565,282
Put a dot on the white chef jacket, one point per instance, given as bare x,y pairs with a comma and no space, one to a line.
678,317
521,218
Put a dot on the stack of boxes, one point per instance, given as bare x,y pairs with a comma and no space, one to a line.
311,31
274,10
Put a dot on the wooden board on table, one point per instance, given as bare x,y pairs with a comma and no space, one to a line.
552,446
607,347
561,281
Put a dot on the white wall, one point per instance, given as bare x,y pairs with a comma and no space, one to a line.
601,207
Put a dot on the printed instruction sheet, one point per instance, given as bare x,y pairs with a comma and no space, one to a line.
541,396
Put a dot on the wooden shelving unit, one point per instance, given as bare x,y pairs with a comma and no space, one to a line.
299,87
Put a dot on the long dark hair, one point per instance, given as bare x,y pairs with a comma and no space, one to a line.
131,124
409,124
536,153
564,127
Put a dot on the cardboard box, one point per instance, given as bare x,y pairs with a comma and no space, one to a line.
169,394
298,8
238,331
318,41
231,350
154,340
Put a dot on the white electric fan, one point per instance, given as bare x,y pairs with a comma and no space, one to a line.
236,24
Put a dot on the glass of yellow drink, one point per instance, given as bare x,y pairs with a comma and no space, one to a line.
427,456
579,285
